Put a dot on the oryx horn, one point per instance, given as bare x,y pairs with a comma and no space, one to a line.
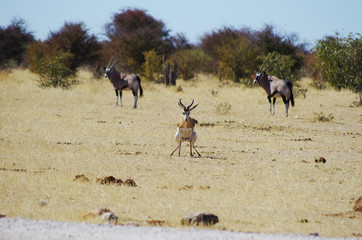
271,64
260,70
110,61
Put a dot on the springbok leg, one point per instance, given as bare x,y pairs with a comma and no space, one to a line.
191,148
197,151
179,146
174,150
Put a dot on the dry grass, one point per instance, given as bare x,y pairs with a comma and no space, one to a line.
257,172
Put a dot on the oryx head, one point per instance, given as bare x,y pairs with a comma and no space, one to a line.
110,67
262,72
186,110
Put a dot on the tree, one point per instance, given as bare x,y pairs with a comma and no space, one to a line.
74,38
152,64
234,51
189,62
341,59
284,67
14,40
133,32
52,66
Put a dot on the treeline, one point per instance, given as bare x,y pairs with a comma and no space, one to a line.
145,46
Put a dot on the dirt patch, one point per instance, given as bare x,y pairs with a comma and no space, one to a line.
110,180
358,205
81,178
156,222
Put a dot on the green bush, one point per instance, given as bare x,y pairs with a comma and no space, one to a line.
55,71
341,59
286,67
152,64
189,61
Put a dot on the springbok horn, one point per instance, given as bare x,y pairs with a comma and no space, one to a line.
271,64
181,105
192,102
193,107
264,63
110,61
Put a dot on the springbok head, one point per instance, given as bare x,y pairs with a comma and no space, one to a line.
186,110
262,71
110,67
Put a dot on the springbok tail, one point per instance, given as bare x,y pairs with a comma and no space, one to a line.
139,83
290,86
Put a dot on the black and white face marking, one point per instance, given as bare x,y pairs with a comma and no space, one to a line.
186,115
108,70
257,78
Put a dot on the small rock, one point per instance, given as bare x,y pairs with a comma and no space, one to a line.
110,217
320,160
200,218
104,214
42,203
130,183
358,205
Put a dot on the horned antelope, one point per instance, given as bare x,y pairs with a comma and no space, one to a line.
186,128
275,87
122,82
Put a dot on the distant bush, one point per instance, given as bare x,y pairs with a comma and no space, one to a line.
14,40
152,65
286,67
53,67
75,39
56,71
223,108
340,61
189,61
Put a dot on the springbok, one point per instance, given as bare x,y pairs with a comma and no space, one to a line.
275,87
123,82
186,128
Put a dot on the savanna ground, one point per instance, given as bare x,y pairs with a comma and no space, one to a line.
257,172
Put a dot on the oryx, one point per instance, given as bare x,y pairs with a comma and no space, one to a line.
275,87
122,82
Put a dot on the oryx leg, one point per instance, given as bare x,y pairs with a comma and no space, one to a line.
270,104
274,100
120,98
135,98
286,102
116,97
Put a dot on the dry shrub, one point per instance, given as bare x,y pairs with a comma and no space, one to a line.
223,108
323,118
